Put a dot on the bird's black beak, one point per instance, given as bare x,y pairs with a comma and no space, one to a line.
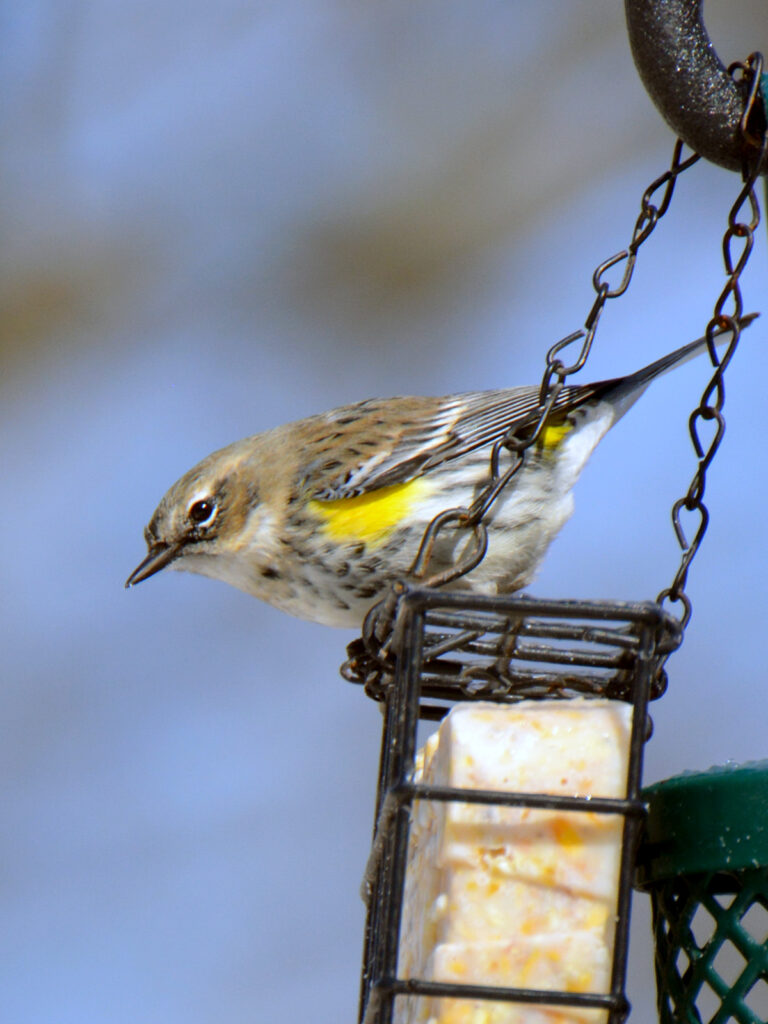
160,554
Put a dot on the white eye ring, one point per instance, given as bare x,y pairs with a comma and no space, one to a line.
202,512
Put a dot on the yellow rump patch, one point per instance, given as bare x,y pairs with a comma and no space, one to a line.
369,517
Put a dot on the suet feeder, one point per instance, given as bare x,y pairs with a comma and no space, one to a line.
450,647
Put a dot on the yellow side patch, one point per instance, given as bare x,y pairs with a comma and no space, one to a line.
553,434
370,517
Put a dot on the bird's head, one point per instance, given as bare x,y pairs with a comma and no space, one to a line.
211,520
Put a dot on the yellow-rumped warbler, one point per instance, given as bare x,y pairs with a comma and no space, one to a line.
318,516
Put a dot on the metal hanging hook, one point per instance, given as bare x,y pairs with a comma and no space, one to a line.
688,82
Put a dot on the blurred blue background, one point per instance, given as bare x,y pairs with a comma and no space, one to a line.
218,217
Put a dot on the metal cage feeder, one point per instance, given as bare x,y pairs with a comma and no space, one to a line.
450,647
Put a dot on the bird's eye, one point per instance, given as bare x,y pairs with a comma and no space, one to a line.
202,512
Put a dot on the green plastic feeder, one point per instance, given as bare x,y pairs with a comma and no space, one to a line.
704,861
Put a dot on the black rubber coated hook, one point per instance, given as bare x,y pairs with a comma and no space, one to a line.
687,81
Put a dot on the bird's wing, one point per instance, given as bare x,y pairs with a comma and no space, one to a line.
375,444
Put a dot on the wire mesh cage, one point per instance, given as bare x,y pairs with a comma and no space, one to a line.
704,861
453,647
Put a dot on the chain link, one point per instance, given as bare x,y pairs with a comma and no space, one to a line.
738,241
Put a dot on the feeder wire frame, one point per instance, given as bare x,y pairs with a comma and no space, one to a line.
643,636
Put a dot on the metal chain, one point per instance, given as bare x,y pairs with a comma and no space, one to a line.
367,659
552,382
713,399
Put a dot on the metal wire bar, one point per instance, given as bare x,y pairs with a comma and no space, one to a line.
404,703
405,795
530,652
544,630
453,642
542,801
642,685
552,997
540,655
